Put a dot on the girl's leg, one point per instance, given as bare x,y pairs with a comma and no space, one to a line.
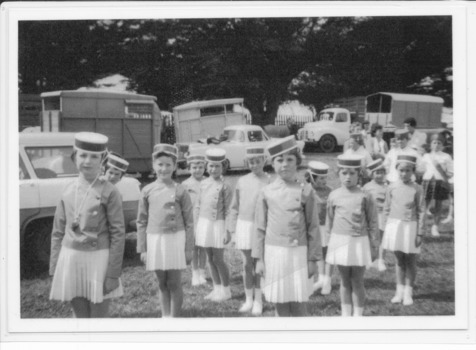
258,300
174,285
358,289
345,290
328,269
224,275
381,254
195,271
100,310
298,309
164,293
400,277
202,261
449,217
436,218
321,270
410,275
214,273
283,309
247,280
81,307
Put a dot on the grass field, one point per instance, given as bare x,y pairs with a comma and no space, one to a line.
433,293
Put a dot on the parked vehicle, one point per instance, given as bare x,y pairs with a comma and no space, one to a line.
329,131
131,121
46,168
203,119
234,141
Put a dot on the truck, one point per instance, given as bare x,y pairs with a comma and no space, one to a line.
131,121
45,169
198,120
331,129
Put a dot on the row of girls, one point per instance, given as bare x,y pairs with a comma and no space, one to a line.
282,228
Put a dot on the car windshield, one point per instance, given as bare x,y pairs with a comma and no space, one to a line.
234,135
51,162
325,116
256,136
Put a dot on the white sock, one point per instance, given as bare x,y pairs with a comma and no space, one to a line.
408,295
358,311
346,310
398,294
249,295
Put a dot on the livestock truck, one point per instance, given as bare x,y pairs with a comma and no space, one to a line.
131,121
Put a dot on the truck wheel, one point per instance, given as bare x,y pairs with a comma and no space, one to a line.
226,166
327,143
38,244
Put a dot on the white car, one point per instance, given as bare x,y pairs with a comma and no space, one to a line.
45,169
235,140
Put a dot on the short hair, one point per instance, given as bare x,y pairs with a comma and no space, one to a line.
410,121
295,152
438,137
374,129
75,152
412,165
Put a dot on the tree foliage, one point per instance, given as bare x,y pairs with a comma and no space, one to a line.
264,60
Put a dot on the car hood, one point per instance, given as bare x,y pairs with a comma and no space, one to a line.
320,124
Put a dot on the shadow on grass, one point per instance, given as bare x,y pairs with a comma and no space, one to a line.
376,283
422,264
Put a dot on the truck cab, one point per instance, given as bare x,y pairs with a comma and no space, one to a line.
331,129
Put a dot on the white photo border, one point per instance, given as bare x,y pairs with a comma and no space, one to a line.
459,328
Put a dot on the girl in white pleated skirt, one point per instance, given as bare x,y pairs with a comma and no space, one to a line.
351,219
404,219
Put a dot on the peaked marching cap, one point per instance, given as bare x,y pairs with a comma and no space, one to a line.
117,162
215,155
375,165
349,161
318,168
255,151
282,146
90,142
165,148
196,158
406,158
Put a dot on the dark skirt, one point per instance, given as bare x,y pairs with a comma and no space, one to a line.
436,189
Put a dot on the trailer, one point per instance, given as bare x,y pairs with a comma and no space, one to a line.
391,109
131,121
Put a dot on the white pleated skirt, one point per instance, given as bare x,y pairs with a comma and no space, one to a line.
166,251
347,250
82,274
286,274
400,236
210,234
323,234
244,234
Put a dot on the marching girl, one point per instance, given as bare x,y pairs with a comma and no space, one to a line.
378,188
287,243
241,222
351,220
196,164
165,229
115,168
404,226
88,237
212,209
317,176
438,171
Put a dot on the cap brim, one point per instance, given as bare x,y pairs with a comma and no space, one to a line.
285,151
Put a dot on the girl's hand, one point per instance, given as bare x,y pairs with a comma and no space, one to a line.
260,270
110,284
227,238
311,268
418,241
143,257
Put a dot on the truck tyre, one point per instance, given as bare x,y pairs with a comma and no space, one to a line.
38,244
327,143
